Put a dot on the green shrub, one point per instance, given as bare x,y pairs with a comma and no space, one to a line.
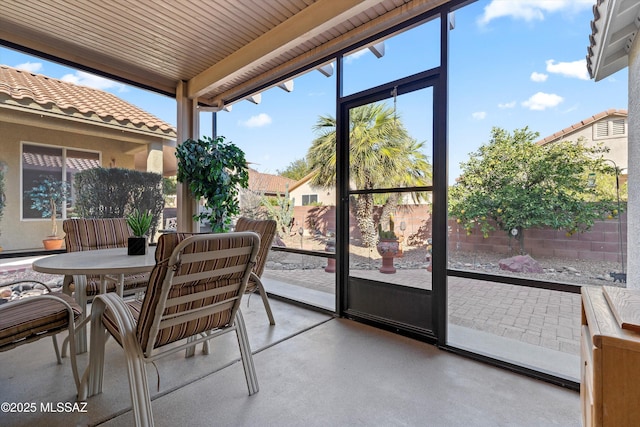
117,192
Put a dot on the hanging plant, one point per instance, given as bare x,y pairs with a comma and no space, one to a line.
215,171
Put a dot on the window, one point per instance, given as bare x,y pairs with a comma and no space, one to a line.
308,199
61,163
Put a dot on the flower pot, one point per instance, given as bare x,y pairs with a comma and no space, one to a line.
51,243
137,246
388,249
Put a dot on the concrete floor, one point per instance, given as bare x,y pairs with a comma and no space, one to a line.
313,370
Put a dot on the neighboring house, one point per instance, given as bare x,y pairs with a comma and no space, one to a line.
609,128
269,185
52,127
305,194
262,185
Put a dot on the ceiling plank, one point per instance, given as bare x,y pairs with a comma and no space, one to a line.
310,22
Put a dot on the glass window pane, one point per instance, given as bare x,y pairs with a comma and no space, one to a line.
277,135
77,161
400,55
38,162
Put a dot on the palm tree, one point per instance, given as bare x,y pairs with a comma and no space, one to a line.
382,154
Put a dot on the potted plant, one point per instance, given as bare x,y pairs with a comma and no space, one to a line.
215,171
388,247
47,196
139,223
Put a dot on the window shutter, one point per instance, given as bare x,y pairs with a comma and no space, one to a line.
602,129
618,127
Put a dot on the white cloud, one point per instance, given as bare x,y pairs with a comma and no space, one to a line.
538,77
260,120
355,55
530,10
32,67
541,101
507,105
479,115
85,79
576,69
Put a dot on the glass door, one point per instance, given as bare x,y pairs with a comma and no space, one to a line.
388,207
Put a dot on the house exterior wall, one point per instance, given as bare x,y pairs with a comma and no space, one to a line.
325,197
19,234
633,268
617,144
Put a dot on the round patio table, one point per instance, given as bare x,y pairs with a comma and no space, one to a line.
101,262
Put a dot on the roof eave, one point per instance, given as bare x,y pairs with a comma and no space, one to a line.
613,31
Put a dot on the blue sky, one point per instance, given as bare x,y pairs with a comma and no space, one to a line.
513,63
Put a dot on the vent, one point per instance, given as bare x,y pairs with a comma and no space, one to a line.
618,127
602,129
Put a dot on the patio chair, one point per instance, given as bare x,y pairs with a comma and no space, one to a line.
30,318
194,294
86,234
266,229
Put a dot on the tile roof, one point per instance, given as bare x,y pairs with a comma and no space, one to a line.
267,183
613,30
581,124
50,161
39,93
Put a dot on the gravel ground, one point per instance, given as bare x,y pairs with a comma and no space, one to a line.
573,271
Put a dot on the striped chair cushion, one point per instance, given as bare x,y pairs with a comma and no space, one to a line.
131,282
86,234
110,323
166,245
266,229
22,323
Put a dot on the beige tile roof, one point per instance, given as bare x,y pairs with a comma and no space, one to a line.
267,183
581,124
94,105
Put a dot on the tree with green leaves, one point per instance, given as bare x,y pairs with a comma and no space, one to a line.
214,170
382,154
296,170
515,184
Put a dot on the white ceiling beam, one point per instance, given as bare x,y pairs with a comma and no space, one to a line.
377,49
327,69
308,23
286,86
255,99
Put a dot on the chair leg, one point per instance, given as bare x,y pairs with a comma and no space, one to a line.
265,300
245,354
80,293
57,350
190,351
139,387
94,374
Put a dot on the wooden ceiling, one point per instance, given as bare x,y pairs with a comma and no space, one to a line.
222,48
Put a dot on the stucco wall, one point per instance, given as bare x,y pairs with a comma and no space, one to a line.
633,269
617,145
18,234
326,197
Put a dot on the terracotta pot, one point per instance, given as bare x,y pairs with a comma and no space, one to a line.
388,249
51,243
